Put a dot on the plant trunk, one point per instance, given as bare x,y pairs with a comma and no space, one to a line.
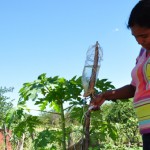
70,142
5,136
63,127
21,142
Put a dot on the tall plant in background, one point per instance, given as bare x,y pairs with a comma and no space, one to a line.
5,108
5,103
14,123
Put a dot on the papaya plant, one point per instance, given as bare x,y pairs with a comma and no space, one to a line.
53,92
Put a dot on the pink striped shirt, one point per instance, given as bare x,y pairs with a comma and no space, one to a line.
141,80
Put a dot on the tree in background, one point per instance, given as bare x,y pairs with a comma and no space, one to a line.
5,104
5,108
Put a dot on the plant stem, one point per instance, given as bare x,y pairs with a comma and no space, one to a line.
87,128
63,127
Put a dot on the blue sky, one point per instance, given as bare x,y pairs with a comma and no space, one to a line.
52,37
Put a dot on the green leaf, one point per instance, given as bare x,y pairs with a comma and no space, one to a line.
55,107
42,76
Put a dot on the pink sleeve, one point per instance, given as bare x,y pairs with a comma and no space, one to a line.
133,73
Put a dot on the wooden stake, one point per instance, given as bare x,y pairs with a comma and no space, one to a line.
91,88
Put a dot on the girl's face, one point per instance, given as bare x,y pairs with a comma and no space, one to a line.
142,36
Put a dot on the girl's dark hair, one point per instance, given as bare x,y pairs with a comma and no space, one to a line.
140,14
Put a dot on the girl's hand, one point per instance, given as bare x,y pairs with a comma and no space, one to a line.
97,101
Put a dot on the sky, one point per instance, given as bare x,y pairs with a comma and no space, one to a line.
53,36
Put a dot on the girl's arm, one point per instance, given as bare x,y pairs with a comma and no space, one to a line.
124,92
